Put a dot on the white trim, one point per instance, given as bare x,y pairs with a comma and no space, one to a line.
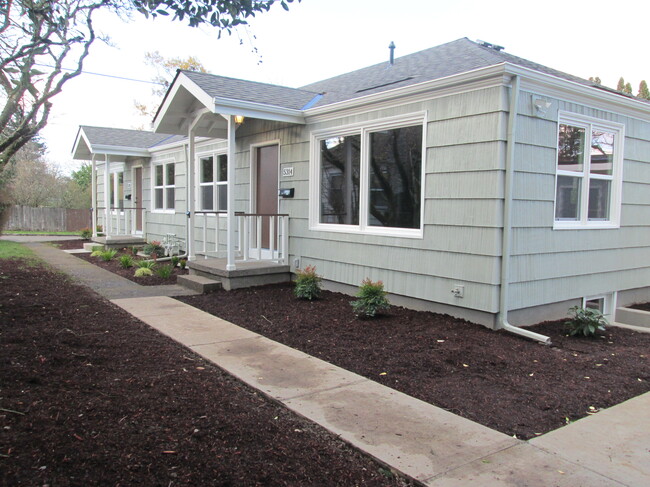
198,184
609,303
364,129
616,178
153,186
229,106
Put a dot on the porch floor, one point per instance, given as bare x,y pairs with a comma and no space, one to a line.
247,273
115,240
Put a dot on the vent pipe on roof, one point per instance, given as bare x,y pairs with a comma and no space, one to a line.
392,52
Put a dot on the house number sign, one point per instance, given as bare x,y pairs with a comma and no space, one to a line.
287,172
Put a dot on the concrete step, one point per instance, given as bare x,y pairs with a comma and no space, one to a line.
199,284
634,317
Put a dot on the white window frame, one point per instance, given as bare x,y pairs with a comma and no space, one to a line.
616,178
609,304
215,184
364,129
165,186
115,170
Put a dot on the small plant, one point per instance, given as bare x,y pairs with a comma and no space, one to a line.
145,264
308,283
86,233
108,255
100,229
152,248
175,260
182,263
97,251
126,261
164,271
143,272
585,321
372,299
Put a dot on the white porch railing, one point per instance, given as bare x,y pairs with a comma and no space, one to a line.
120,221
262,237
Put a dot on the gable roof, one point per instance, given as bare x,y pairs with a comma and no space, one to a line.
105,140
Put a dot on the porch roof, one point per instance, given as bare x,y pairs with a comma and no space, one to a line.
112,141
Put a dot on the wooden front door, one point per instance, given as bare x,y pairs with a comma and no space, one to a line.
137,199
266,195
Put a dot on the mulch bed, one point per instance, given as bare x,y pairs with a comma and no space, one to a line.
503,381
114,265
91,396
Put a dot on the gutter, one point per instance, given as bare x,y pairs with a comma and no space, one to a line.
507,222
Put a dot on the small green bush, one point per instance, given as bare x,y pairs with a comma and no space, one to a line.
154,247
108,255
126,261
164,271
97,252
585,321
145,264
183,263
86,233
175,260
308,283
372,299
143,271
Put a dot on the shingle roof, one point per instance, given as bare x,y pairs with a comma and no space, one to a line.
238,89
135,139
448,59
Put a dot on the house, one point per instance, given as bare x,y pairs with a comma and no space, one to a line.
470,181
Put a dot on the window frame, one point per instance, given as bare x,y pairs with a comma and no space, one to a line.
364,129
215,183
165,187
589,124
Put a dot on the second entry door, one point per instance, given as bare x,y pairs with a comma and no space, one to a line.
266,193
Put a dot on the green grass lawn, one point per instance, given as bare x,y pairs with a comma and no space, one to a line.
14,250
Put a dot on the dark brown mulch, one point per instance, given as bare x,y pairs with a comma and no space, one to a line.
503,381
114,265
92,396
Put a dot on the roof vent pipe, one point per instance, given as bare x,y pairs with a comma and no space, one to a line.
392,52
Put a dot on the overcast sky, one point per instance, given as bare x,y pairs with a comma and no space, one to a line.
318,39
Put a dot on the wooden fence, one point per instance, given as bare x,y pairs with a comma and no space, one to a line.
47,219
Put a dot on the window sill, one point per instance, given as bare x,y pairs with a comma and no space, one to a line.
416,233
585,226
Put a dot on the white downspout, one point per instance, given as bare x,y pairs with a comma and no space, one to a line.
230,265
107,197
93,190
507,222
189,171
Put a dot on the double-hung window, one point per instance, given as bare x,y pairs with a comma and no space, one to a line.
213,182
369,178
588,173
164,177
116,190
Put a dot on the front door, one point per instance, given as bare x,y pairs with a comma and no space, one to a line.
266,196
137,199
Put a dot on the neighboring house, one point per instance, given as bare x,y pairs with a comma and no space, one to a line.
468,180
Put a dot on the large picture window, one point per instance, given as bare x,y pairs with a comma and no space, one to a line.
588,173
213,182
370,179
164,177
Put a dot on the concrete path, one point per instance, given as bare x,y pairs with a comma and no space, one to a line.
611,448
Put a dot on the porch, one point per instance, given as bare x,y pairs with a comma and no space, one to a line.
247,274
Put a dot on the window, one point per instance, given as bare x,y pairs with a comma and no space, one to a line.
588,173
213,183
370,179
605,303
116,190
164,178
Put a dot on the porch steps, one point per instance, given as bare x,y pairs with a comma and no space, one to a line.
247,274
200,284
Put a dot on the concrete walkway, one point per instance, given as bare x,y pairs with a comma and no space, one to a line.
611,448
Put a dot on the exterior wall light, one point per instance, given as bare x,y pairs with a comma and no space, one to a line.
239,119
541,106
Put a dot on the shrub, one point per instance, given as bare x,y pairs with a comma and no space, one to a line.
164,271
126,261
175,260
585,321
86,233
183,263
152,248
108,255
97,251
143,271
100,229
145,264
308,283
372,299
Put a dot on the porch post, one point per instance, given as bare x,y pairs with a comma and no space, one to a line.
189,170
230,265
107,196
93,189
